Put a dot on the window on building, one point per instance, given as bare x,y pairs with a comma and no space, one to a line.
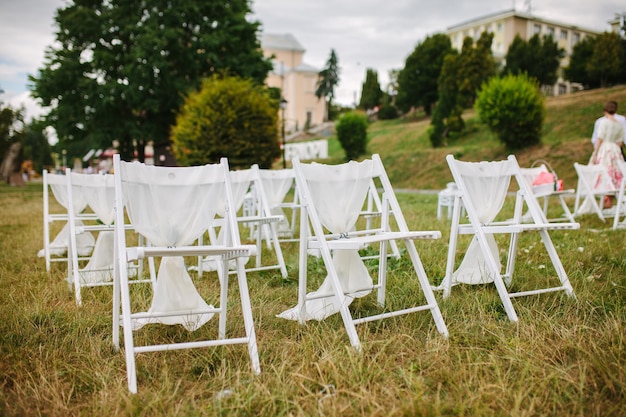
499,27
550,31
575,38
536,29
562,89
563,34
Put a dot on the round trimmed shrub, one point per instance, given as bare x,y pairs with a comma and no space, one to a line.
387,112
513,108
352,134
228,117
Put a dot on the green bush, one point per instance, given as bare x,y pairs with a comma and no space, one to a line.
387,112
352,134
229,117
513,108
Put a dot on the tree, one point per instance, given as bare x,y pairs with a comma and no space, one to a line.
513,108
607,60
36,146
539,58
11,126
352,134
120,69
460,79
229,117
476,65
417,81
577,69
371,94
327,80
448,108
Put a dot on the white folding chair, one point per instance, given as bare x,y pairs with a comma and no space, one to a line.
171,208
594,183
620,207
98,191
482,189
248,182
277,183
56,250
333,198
546,191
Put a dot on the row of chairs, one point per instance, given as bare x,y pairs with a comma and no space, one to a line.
594,183
342,209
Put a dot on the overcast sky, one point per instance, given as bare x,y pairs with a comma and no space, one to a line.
377,34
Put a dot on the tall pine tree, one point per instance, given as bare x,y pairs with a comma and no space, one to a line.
327,80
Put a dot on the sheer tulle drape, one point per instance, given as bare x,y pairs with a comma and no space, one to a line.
338,194
487,184
98,191
173,208
84,241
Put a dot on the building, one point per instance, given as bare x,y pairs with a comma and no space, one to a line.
297,81
506,25
617,23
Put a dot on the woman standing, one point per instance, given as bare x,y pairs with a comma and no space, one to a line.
608,146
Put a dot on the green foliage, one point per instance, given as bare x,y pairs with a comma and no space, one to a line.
11,121
417,81
448,100
36,146
513,108
229,117
539,58
387,112
120,70
476,65
371,94
352,134
328,79
461,77
599,61
577,69
607,61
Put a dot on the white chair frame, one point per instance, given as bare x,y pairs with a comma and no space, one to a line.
77,183
543,193
601,185
232,249
326,244
620,209
264,225
49,217
513,227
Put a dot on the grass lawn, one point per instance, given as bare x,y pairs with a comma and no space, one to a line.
565,357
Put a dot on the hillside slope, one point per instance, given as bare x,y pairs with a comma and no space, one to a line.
412,163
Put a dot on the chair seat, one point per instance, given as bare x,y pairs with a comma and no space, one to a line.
361,242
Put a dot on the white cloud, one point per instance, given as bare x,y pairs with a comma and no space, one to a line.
376,34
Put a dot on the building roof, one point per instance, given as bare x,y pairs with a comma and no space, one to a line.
284,41
513,13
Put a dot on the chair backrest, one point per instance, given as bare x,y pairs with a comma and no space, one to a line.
594,179
620,209
483,188
57,185
97,191
172,207
335,199
485,185
531,173
277,184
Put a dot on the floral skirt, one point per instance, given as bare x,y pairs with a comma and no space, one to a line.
608,155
